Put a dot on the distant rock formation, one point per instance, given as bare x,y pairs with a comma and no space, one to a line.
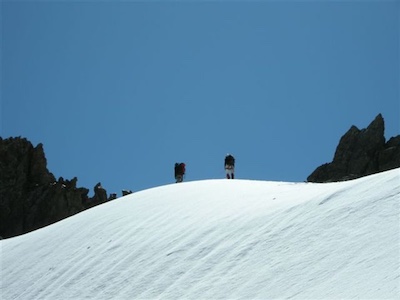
126,192
100,194
360,153
30,196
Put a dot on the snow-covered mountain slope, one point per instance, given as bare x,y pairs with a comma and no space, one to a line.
219,239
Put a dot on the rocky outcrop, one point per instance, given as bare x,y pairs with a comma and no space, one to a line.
30,196
360,153
100,195
126,192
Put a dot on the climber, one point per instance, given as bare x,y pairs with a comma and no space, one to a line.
229,166
179,172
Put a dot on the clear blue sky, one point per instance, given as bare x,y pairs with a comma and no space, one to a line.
119,91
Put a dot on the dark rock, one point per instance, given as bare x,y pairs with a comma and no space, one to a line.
360,153
390,155
113,196
30,196
126,192
100,194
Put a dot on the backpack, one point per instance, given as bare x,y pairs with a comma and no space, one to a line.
230,160
179,169
182,167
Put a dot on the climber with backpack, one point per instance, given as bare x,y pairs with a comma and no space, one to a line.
179,171
229,166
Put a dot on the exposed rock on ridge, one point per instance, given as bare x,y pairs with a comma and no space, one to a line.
30,196
360,153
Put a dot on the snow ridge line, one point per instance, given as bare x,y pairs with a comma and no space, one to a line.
219,239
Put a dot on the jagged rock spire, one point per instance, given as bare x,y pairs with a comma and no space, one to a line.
360,153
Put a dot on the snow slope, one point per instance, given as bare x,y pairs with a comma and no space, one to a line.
219,239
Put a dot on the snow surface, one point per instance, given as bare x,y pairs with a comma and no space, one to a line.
219,239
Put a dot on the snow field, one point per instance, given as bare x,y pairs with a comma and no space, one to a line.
219,239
